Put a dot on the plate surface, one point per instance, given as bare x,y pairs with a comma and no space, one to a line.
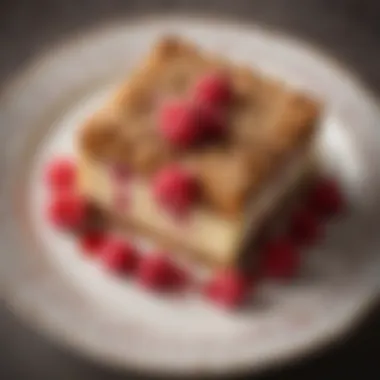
48,281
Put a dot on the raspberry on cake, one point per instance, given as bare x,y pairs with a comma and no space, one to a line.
174,189
186,120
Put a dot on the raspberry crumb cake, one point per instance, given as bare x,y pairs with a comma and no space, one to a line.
211,161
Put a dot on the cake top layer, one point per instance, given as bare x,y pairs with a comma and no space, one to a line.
258,125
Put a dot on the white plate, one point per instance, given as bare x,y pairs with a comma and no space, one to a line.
47,280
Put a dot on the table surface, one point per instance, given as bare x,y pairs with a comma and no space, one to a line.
346,29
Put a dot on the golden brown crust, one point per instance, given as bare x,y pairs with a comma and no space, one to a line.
266,122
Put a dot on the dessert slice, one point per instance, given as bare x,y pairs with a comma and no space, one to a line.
199,154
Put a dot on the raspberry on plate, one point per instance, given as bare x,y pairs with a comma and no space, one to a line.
305,226
157,272
228,288
68,210
326,198
61,174
92,241
119,256
280,258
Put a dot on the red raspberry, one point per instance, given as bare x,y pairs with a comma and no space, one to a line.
92,242
305,227
157,272
326,198
281,259
61,174
211,121
119,256
229,288
213,89
68,210
175,189
180,124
